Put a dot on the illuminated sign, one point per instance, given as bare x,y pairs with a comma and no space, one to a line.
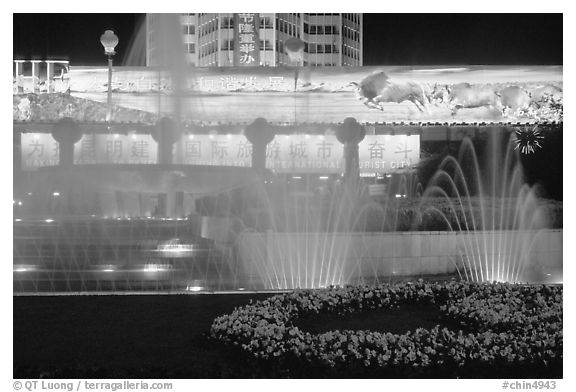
302,153
462,94
388,153
40,149
115,148
247,41
284,154
48,76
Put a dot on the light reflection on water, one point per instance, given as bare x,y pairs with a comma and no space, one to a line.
103,255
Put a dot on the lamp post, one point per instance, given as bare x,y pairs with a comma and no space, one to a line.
294,48
109,41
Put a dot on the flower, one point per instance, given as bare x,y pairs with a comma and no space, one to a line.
503,322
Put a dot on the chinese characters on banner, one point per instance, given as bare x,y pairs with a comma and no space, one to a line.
246,83
302,153
247,47
40,149
388,153
114,148
203,80
284,154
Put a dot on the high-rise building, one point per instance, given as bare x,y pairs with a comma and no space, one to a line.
221,40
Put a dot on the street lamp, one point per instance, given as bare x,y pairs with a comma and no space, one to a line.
109,41
294,48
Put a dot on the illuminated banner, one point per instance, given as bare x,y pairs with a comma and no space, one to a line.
388,153
38,149
246,40
302,153
462,94
114,148
305,154
285,154
214,150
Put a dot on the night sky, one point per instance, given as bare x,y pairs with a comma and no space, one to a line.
389,39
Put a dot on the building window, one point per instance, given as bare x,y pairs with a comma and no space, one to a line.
188,29
228,44
265,45
279,46
306,28
227,22
266,22
191,48
318,29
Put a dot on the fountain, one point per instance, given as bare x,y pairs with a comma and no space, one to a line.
116,226
477,219
180,227
500,217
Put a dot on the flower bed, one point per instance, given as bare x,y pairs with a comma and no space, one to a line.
507,328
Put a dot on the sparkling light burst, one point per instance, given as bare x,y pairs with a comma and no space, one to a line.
527,140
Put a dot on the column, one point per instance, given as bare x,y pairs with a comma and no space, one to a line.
175,204
19,76
351,133
120,205
49,76
162,206
351,162
259,134
166,134
179,204
67,133
35,75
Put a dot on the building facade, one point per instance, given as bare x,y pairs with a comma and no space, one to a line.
218,40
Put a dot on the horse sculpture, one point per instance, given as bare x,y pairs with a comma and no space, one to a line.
377,89
465,96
